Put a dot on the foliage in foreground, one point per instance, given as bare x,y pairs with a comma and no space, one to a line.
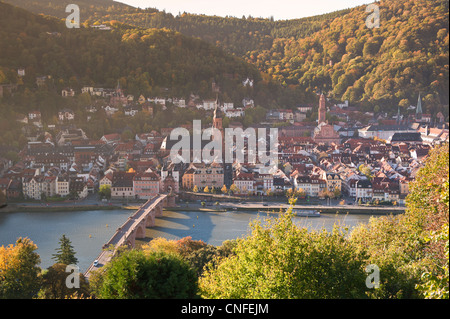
65,254
136,275
280,260
54,284
18,270
196,253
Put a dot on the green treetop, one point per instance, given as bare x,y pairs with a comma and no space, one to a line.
65,254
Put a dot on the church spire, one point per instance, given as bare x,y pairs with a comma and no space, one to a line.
419,108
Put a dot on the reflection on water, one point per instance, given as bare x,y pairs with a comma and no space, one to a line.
216,227
89,230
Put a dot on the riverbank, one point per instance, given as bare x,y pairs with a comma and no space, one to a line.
12,208
221,207
218,202
275,207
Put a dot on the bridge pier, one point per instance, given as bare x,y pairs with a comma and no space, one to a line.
169,201
140,231
158,211
130,241
150,221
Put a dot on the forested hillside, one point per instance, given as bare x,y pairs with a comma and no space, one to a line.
145,61
377,69
151,62
384,67
57,8
236,35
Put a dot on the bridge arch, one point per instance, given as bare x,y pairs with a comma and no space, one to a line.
140,231
150,221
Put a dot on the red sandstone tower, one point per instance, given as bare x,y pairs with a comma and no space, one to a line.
322,109
217,123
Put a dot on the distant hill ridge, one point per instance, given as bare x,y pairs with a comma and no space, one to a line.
151,62
377,69
235,35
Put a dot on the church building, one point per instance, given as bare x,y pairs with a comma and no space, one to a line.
324,133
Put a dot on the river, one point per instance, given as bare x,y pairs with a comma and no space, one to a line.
216,227
89,230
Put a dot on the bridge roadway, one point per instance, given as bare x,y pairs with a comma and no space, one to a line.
126,234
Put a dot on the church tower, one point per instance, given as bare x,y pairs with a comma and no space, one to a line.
217,123
322,110
419,109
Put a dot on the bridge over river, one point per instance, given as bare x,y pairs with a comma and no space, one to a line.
133,228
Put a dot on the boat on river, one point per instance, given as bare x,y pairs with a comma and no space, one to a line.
306,213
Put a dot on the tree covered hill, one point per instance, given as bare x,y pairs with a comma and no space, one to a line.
377,69
57,8
146,61
385,67
236,35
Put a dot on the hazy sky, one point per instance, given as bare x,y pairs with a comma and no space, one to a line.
279,9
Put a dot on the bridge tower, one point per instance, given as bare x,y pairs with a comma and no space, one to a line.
170,199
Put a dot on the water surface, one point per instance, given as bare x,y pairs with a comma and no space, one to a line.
89,230
216,227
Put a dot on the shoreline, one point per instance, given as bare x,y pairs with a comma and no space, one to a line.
223,207
29,208
343,210
276,206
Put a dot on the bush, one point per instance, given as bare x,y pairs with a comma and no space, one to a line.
138,275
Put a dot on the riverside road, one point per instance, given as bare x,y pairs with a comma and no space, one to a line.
326,206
